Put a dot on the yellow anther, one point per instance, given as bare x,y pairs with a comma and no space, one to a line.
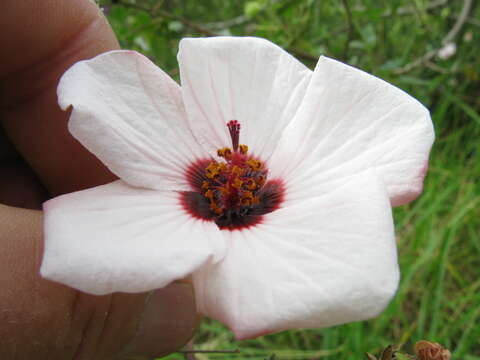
212,170
209,194
248,195
261,180
245,202
243,149
222,167
237,183
223,190
215,208
255,165
213,166
251,184
224,152
237,170
233,183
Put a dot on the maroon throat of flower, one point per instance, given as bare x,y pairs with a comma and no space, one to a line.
232,191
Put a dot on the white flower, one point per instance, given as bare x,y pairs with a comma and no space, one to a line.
311,246
447,51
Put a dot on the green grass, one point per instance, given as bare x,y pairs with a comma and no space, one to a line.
438,234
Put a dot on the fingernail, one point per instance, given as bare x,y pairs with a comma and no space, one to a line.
169,321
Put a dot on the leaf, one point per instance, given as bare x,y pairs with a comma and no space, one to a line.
252,8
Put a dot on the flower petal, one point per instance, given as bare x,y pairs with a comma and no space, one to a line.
246,79
118,238
324,261
350,122
130,114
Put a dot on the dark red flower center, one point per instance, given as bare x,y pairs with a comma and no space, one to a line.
232,191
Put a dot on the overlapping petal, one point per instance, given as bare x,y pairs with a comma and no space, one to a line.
246,79
321,262
118,238
349,122
130,114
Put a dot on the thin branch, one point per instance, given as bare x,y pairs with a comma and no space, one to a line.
236,351
401,11
187,351
408,10
199,28
156,11
221,25
472,21
185,22
239,20
435,67
467,5
454,31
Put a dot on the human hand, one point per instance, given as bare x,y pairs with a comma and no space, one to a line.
38,160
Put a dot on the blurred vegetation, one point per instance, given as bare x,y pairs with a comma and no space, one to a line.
439,234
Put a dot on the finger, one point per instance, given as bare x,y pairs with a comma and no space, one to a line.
18,183
49,36
67,324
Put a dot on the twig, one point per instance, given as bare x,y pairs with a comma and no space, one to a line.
431,65
239,20
469,20
165,14
472,21
185,22
236,351
243,19
467,5
199,28
187,351
407,10
221,25
462,18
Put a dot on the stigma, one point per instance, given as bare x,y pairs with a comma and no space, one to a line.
232,189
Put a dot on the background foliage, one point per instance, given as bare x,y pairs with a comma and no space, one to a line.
439,234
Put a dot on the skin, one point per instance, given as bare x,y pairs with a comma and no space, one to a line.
39,159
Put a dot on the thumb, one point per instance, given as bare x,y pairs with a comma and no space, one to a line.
167,323
68,324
